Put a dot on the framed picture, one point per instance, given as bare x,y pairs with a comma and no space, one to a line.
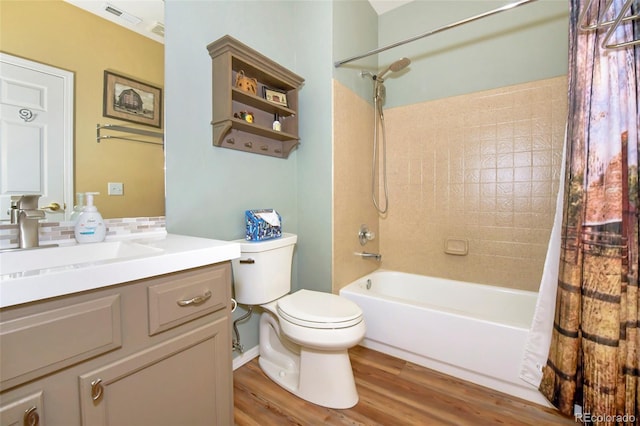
275,96
131,100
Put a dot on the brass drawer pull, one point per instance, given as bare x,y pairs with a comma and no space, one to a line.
96,389
250,261
198,300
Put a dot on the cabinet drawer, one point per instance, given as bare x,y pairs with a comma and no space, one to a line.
25,411
177,298
41,343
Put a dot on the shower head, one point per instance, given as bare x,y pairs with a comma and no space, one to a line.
396,66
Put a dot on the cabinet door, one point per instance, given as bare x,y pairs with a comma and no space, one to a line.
186,380
26,411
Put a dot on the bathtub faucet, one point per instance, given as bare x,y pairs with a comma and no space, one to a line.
364,254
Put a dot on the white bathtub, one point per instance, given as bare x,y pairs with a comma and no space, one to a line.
471,331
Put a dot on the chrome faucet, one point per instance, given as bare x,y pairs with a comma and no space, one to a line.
28,215
364,254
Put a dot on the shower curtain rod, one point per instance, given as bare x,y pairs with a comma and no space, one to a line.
437,30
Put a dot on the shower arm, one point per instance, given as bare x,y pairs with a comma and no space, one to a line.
437,30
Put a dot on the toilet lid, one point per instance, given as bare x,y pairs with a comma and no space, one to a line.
319,310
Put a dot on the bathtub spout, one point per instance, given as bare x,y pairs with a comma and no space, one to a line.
364,254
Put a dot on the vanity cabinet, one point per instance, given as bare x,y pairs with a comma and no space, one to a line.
254,133
153,351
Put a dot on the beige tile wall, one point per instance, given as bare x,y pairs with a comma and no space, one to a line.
353,151
484,168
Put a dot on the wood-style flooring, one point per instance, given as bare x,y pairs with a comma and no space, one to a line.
392,392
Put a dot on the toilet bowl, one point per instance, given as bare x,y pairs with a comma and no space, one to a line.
310,362
304,336
321,321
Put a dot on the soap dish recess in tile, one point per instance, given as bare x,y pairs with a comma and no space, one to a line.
456,246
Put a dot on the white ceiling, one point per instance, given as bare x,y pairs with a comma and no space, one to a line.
382,6
151,12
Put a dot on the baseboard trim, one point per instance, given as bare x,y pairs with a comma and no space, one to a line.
245,357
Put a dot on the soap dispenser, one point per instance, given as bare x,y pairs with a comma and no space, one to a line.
78,208
90,227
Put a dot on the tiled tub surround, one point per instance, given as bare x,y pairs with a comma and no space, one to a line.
63,232
483,167
352,207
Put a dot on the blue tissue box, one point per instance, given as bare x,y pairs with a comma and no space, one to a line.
263,224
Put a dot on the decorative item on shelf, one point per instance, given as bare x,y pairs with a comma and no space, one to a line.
276,96
247,84
276,123
244,115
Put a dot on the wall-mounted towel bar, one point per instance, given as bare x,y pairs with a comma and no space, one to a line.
626,14
126,129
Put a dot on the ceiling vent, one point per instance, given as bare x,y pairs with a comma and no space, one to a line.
158,28
121,14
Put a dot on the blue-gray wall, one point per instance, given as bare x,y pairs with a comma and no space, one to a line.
527,43
209,188
523,44
355,31
309,35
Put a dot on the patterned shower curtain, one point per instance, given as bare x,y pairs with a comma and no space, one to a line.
595,348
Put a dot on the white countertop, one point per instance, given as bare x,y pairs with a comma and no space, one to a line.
173,253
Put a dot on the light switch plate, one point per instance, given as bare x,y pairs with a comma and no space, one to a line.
115,188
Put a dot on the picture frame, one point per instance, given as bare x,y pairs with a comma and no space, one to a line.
276,96
131,100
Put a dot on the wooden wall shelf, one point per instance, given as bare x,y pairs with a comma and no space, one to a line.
229,56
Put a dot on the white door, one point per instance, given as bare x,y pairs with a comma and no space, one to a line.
36,134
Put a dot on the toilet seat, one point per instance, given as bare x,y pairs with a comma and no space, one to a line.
314,309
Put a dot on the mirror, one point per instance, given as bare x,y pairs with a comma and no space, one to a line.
66,37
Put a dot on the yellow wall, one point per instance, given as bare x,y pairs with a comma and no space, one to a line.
61,35
482,167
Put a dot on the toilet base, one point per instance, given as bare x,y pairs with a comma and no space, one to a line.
322,377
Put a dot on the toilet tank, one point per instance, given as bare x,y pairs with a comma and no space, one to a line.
263,272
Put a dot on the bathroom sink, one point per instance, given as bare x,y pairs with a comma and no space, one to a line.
29,275
12,262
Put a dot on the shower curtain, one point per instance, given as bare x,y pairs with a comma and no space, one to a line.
595,343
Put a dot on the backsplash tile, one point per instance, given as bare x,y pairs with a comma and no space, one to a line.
63,232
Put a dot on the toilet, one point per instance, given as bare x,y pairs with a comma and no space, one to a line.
304,336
